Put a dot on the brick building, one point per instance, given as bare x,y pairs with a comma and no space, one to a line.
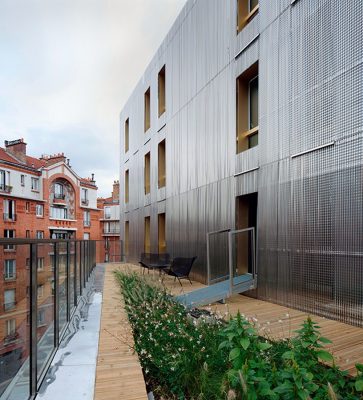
110,224
39,198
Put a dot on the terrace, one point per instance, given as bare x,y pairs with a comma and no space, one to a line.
73,339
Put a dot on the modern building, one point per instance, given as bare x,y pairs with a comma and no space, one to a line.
250,114
40,198
110,225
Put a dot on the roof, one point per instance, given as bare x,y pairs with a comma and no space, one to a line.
35,162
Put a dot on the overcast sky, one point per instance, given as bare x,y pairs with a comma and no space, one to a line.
66,69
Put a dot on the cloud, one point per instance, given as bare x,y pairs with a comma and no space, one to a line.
67,68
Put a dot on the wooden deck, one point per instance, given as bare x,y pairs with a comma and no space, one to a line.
278,322
118,374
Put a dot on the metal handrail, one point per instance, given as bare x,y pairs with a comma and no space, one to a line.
208,251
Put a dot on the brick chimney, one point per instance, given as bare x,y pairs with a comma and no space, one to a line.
116,191
17,148
53,159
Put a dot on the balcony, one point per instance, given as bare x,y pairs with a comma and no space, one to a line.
59,198
9,277
111,231
84,202
9,306
5,188
9,217
11,338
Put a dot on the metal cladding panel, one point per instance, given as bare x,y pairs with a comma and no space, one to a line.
307,168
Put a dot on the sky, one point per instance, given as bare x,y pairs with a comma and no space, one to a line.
67,67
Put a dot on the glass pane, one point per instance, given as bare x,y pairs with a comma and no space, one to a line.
71,276
253,4
253,140
45,296
62,266
253,103
14,332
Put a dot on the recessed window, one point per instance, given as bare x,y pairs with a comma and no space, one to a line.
107,212
246,10
40,263
161,233
10,327
147,174
35,184
86,218
161,165
39,210
27,234
40,234
127,235
147,235
127,186
9,299
9,210
22,180
127,137
27,206
247,109
161,91
40,291
147,110
84,197
9,234
59,191
9,269
58,213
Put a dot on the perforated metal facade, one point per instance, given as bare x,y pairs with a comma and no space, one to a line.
306,169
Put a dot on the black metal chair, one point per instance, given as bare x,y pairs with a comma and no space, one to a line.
180,268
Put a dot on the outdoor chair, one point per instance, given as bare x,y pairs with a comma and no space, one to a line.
154,261
180,268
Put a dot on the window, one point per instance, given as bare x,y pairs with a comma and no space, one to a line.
39,210
107,212
161,91
247,109
86,218
27,263
161,233
147,235
147,110
246,10
9,269
59,191
27,206
126,186
84,197
35,184
40,263
9,234
9,299
22,180
127,233
127,138
5,181
27,234
9,210
147,174
10,327
161,165
58,213
40,291
86,236
40,235
41,318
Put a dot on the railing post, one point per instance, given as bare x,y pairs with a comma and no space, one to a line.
68,286
33,319
56,295
230,261
75,275
208,262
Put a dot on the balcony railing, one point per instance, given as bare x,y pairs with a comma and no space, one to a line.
9,306
59,196
107,216
68,265
5,188
111,230
84,202
9,277
86,223
9,217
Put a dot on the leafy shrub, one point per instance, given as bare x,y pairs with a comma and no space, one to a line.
210,360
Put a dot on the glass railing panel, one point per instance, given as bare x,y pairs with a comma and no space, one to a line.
45,304
62,288
14,320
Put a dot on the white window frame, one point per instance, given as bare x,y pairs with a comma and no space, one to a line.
107,211
22,180
10,327
40,234
9,305
40,263
35,184
9,269
39,210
